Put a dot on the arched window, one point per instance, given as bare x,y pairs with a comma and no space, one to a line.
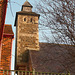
24,19
31,20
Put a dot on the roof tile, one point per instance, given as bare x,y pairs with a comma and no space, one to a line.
8,29
54,58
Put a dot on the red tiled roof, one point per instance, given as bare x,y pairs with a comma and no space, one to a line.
54,58
8,30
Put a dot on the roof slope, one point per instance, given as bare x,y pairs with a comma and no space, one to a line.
8,30
27,4
27,13
53,58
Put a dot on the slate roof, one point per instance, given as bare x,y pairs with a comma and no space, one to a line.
53,58
27,4
27,13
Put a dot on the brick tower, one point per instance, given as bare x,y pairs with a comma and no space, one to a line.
6,37
27,37
6,51
3,8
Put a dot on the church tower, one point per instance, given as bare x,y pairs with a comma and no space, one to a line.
27,37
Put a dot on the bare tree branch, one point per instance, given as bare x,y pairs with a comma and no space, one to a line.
58,15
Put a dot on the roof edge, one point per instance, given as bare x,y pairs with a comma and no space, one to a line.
17,13
8,35
27,6
56,44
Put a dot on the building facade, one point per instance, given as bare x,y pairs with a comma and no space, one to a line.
27,36
32,54
6,51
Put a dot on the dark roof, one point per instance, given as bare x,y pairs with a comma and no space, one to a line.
53,58
8,30
25,13
27,4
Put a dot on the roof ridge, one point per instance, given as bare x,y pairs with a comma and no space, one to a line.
26,3
56,44
8,25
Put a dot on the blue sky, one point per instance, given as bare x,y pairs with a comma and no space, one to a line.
13,7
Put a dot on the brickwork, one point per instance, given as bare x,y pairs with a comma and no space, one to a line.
6,49
6,53
3,6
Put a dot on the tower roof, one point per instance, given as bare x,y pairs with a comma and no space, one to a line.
27,4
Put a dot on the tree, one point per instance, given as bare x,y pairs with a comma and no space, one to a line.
59,16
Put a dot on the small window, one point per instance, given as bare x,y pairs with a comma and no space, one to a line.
31,20
24,19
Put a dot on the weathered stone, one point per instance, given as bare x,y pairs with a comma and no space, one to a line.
27,37
27,34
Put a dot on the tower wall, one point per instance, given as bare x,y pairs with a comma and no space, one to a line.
27,35
27,9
